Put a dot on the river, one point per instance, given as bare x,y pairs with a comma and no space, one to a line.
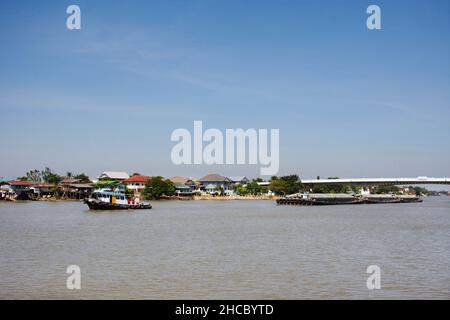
226,250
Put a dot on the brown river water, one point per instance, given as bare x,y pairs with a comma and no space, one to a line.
226,250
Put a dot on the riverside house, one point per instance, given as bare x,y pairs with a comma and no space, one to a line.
183,186
136,183
73,189
20,189
211,182
242,180
113,175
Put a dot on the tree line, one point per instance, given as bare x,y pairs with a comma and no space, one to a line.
48,176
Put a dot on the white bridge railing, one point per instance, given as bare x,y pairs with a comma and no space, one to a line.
374,181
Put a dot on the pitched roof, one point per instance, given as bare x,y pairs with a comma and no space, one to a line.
43,185
120,175
238,179
181,186
137,178
21,183
81,185
179,180
214,177
69,181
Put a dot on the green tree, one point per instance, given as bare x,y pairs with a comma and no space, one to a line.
34,175
253,187
240,190
52,178
83,178
330,188
156,187
385,189
219,190
285,185
45,174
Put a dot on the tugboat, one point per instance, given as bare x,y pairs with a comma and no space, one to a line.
106,199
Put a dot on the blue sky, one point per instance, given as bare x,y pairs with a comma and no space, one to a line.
348,101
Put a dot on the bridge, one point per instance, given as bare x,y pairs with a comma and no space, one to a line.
379,181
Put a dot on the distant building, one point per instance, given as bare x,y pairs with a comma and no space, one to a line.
239,180
22,189
20,185
42,189
114,175
136,183
184,182
212,181
74,189
4,180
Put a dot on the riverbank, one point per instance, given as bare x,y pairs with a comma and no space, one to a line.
171,198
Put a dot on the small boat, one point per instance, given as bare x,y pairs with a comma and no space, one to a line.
111,200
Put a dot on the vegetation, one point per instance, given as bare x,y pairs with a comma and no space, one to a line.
82,177
252,188
45,175
220,191
285,185
419,190
332,188
385,189
157,187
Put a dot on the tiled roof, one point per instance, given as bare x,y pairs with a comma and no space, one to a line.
42,185
213,177
21,183
238,179
137,178
179,180
115,175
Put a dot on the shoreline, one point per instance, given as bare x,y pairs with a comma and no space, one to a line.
194,198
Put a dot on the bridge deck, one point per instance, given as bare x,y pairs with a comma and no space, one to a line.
373,181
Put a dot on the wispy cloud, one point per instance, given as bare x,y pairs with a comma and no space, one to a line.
57,101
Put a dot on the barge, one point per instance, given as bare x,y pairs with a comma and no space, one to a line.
381,198
319,199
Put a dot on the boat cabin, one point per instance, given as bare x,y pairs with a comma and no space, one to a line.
110,197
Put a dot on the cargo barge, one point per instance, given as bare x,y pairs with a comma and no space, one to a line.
318,199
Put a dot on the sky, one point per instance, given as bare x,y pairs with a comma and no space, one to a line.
348,101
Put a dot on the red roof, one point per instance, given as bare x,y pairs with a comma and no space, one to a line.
21,183
137,178
43,185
